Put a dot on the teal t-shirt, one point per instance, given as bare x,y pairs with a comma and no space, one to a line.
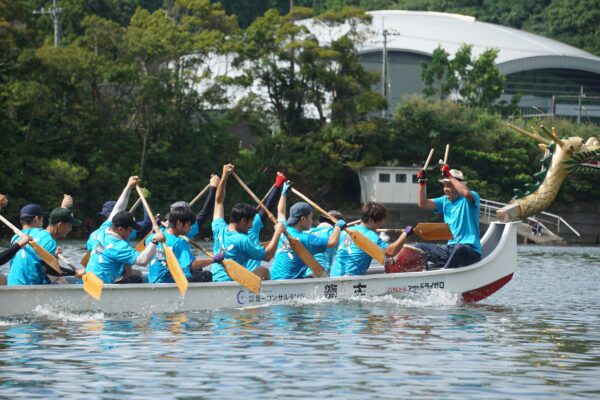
325,258
92,240
462,216
26,266
109,257
254,235
350,259
236,246
158,271
287,265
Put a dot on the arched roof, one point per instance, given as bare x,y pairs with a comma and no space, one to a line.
422,32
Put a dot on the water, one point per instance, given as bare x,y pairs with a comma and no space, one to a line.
539,337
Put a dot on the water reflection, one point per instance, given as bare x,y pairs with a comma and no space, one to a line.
536,338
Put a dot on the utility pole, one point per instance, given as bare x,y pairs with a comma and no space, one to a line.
386,87
581,95
55,12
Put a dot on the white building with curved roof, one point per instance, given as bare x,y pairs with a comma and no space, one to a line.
536,67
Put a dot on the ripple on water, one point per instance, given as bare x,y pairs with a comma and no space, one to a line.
536,338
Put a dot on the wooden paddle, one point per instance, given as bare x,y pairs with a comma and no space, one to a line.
91,283
427,231
445,160
86,258
428,159
237,272
358,238
142,244
302,252
172,263
40,251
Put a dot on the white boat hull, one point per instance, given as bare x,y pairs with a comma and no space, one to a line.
471,283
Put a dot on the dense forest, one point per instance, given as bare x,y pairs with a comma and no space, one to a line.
129,91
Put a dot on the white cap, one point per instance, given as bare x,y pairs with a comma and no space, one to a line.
456,174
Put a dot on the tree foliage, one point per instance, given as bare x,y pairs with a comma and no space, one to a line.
477,82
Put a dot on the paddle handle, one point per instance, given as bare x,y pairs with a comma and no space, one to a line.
428,159
255,198
314,205
199,196
446,154
147,207
11,226
65,260
135,205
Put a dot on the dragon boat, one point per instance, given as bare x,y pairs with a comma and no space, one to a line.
471,284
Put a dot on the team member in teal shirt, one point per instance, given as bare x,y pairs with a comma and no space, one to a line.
231,240
460,207
27,268
112,256
180,220
325,229
350,259
109,209
287,265
258,223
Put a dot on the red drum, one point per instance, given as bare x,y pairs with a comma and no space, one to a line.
410,259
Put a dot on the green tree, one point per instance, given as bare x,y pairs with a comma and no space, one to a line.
475,81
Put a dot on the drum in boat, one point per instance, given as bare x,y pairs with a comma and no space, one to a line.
409,259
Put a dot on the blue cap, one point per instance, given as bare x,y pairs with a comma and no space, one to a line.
107,208
297,211
32,210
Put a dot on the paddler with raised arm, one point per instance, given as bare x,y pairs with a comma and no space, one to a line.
351,259
112,256
232,240
258,223
460,207
287,264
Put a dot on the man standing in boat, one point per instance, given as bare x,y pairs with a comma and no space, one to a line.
112,256
460,207
180,220
27,268
232,240
351,259
287,264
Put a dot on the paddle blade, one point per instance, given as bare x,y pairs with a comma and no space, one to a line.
241,275
92,285
433,231
86,259
141,245
305,255
367,245
175,270
46,257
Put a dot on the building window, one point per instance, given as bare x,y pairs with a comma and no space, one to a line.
414,178
400,178
384,178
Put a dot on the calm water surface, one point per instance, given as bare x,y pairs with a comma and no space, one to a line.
539,337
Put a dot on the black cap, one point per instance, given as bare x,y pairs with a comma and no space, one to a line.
32,210
297,211
107,208
63,215
125,219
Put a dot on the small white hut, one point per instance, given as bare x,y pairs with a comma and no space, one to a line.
389,185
